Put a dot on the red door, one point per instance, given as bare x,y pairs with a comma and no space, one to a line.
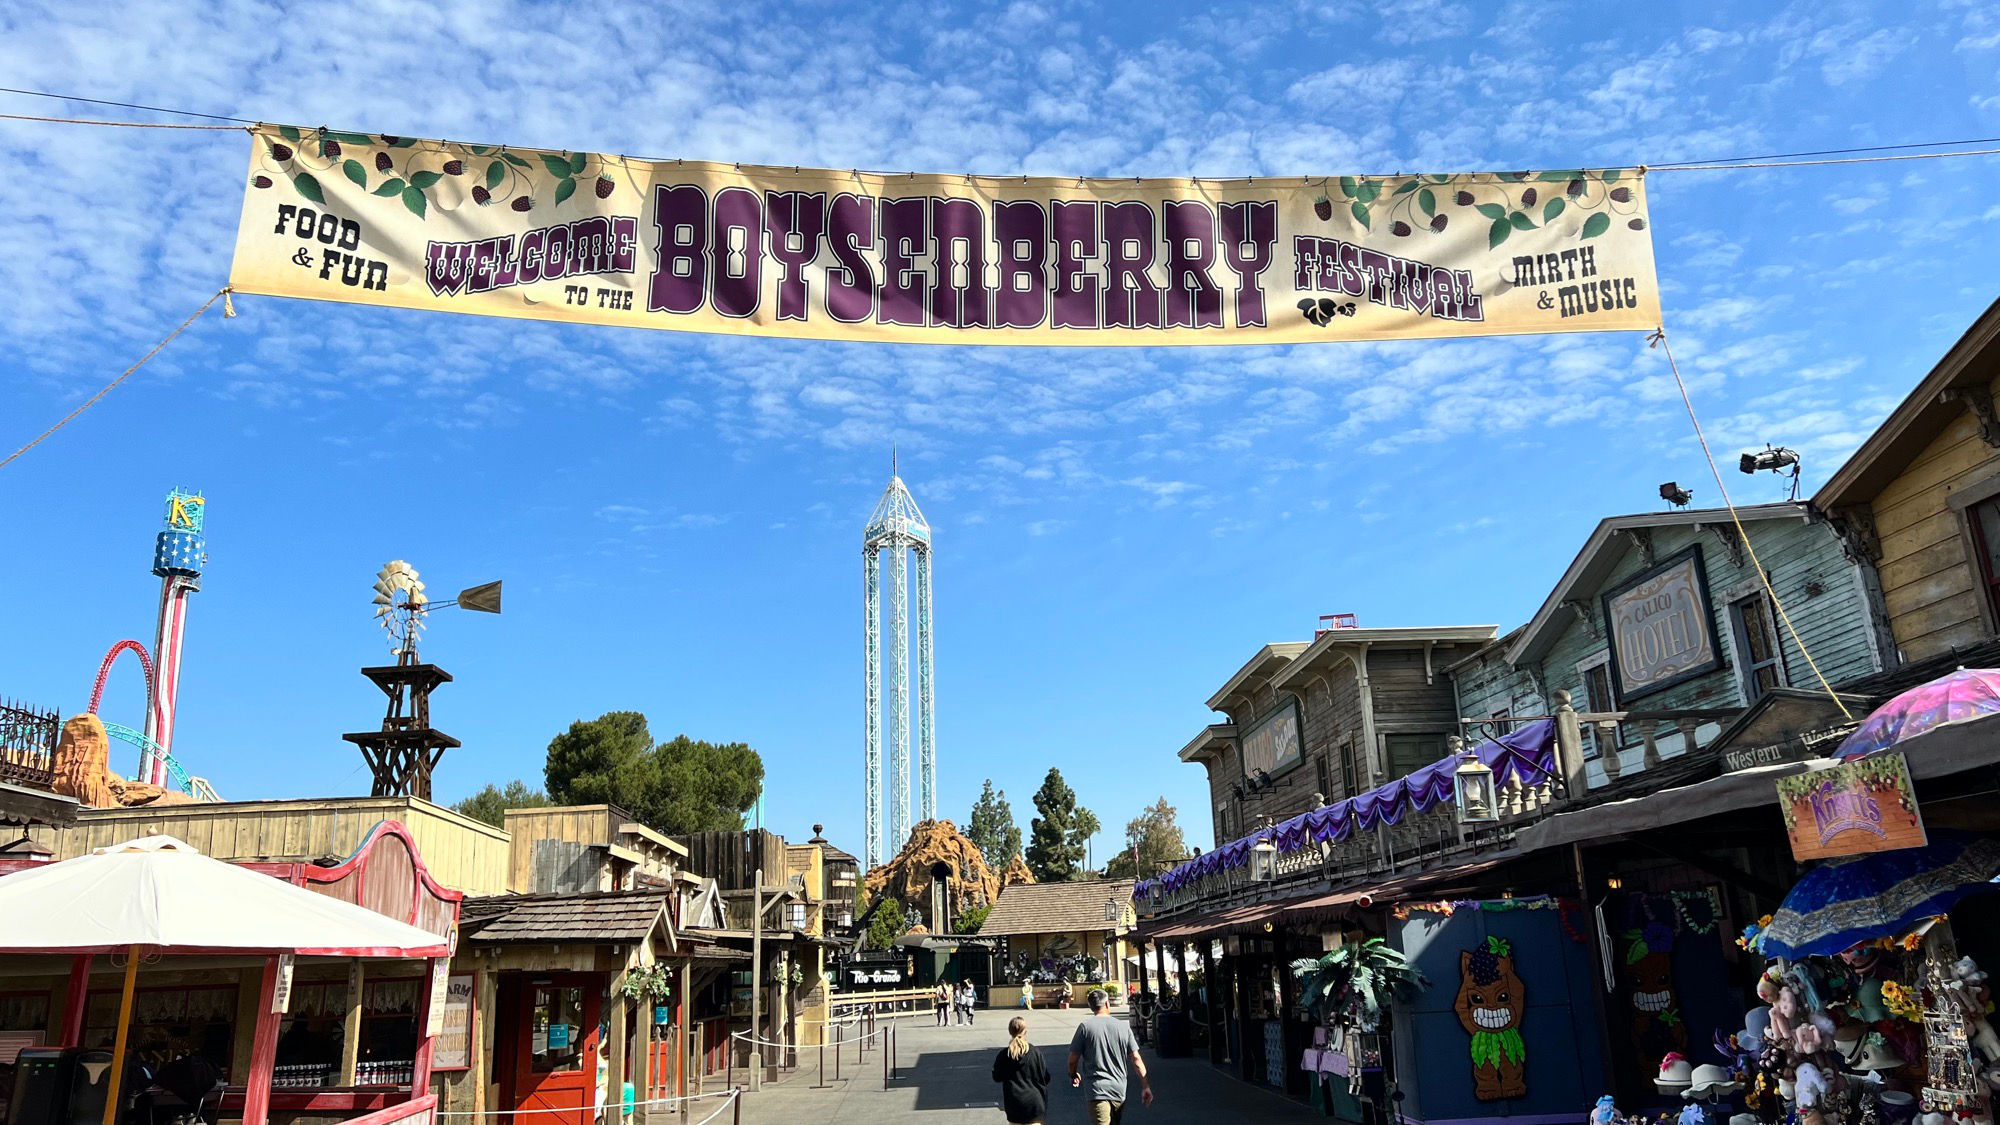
555,1050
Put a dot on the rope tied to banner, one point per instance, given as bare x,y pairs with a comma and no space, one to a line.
1658,339
221,294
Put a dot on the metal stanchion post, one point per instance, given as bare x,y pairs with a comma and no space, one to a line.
729,1065
736,1107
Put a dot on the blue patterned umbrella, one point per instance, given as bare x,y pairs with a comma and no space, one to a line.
1847,901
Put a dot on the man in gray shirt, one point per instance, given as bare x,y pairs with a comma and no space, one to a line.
1104,1047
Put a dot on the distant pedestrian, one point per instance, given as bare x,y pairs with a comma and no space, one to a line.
1023,1076
1101,1054
968,1001
941,998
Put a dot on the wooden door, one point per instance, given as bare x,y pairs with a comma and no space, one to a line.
554,1051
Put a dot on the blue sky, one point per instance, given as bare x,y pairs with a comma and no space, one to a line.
678,517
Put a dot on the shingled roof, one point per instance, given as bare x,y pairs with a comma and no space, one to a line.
608,917
1055,908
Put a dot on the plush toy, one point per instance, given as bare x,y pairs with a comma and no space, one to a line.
1605,1112
1757,1021
1785,1014
1811,1086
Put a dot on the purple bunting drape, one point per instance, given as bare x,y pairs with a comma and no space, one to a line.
1527,755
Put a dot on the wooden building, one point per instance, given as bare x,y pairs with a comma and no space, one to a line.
1045,923
1918,505
575,849
1312,722
464,854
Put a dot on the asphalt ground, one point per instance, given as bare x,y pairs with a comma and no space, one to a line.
945,1078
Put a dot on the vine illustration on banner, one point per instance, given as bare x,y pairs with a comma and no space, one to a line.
818,253
1490,1003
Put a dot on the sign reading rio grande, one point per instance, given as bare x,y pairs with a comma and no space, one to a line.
824,254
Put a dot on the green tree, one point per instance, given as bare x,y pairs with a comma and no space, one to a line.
992,827
887,925
1056,838
974,917
1151,838
491,803
681,785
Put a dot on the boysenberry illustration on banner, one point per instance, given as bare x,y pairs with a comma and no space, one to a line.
952,259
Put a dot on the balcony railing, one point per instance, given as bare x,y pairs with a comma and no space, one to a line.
1432,837
28,745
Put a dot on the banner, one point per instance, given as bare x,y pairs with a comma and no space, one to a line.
1867,805
945,259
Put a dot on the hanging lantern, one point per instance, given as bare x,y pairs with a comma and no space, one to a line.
1472,784
1263,860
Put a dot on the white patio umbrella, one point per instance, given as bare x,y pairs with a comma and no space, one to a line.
158,894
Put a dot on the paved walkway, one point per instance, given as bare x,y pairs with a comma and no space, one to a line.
946,1079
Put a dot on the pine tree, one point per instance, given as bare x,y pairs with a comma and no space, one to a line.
1152,838
1057,837
991,826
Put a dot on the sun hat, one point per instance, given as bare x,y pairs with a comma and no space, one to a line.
1877,1054
1711,1079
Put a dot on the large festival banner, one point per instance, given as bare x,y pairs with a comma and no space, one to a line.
949,259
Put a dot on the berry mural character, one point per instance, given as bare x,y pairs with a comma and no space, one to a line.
1649,979
1491,999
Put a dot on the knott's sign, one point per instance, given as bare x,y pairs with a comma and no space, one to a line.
1866,805
824,254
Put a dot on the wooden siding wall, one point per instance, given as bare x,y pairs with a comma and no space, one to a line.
581,825
1488,685
461,853
1835,624
1929,584
733,858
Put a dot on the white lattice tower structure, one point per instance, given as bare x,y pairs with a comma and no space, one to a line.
897,534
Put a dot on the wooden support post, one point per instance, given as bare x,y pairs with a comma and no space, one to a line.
420,1068
118,1042
75,999
619,1028
350,1024
756,1062
263,1050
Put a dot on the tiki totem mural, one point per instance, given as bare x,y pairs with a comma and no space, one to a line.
1649,980
1491,1000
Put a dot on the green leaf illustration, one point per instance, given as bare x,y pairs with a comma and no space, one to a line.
1556,177
1407,187
1553,208
565,189
1349,186
479,150
403,142
1510,1042
350,138
390,186
1611,175
1520,221
1498,233
556,165
308,185
1427,199
355,172
415,201
423,181
289,132
1491,210
1360,213
1438,179
514,160
495,172
576,163
1369,190
1597,224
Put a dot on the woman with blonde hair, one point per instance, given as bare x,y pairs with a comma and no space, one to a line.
1023,1076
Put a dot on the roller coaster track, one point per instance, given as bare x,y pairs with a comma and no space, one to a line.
104,672
177,775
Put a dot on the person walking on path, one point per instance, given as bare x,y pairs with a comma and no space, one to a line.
941,997
968,999
1023,1076
1101,1054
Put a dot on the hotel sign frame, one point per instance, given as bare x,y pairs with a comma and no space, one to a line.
1646,606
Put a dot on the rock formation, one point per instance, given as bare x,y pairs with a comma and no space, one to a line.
908,876
83,770
1017,872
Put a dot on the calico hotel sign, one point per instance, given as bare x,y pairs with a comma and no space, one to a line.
1661,630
